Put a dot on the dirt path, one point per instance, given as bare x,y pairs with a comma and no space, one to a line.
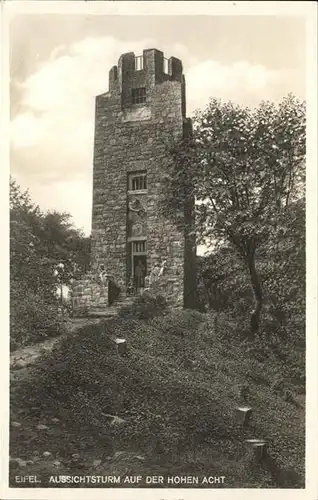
22,358
35,440
26,355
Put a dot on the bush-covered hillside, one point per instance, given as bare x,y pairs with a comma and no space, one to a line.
177,391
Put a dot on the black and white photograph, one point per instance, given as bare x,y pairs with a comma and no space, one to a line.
161,319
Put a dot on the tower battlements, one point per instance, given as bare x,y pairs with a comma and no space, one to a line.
149,68
143,71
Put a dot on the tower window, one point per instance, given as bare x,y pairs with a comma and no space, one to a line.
138,95
139,247
137,182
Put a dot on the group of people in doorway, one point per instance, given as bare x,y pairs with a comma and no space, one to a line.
137,282
141,280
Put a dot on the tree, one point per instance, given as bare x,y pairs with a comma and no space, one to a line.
224,282
64,244
40,243
245,167
29,269
284,274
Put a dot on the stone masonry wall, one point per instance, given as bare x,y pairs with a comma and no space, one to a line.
133,138
88,293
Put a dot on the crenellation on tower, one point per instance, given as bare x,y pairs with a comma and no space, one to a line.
113,78
176,69
143,71
183,98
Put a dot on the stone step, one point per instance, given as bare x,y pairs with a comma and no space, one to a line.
101,314
110,310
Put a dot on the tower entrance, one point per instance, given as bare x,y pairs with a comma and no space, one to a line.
138,263
139,271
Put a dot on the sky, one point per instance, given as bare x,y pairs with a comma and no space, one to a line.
59,63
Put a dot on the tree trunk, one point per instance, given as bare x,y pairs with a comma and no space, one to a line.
257,291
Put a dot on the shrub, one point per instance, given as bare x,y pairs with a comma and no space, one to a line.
144,307
33,319
180,323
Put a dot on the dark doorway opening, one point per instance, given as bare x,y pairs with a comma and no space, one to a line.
113,292
139,271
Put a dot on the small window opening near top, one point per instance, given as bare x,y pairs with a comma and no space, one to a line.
139,246
139,63
138,96
138,182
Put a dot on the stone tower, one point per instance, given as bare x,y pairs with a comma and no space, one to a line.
131,240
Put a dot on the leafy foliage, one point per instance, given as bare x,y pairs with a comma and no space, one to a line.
39,243
224,281
244,167
33,318
145,307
